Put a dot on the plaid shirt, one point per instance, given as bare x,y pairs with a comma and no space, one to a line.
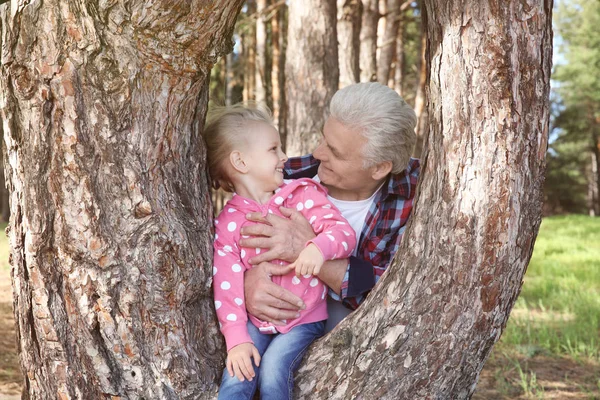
381,233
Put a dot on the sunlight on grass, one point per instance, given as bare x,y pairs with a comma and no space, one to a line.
558,310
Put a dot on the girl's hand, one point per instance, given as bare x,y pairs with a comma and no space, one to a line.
239,361
309,262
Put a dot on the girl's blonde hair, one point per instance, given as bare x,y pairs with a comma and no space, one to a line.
226,129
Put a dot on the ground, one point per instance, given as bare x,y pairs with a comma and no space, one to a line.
504,377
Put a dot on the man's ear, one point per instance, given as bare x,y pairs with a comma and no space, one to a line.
381,170
236,158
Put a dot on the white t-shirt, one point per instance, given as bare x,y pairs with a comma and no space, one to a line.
354,211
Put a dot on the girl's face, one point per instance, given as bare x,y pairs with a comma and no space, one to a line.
264,157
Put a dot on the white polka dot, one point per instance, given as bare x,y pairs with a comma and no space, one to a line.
334,256
346,233
231,210
340,223
231,317
225,285
330,238
231,226
303,183
245,237
214,270
221,253
312,219
290,196
309,203
314,282
243,254
238,301
306,276
345,245
320,227
245,202
217,304
236,268
216,222
328,216
327,206
279,200
299,206
220,325
323,296
270,211
295,280
227,248
257,250
216,236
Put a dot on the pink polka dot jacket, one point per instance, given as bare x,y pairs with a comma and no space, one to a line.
335,238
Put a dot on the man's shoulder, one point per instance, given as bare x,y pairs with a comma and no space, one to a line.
404,184
301,167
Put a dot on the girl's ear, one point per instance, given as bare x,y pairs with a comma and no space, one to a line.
236,158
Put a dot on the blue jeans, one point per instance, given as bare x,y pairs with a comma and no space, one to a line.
280,356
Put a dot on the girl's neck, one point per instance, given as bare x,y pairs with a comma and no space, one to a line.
252,192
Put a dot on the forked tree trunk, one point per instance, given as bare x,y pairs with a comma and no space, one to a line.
348,32
430,324
102,106
311,71
368,41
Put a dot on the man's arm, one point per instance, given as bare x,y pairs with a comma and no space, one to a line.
333,272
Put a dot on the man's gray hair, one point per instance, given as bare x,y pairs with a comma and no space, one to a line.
382,117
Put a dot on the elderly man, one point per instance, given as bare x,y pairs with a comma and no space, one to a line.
364,162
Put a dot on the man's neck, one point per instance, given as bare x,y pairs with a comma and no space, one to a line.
353,195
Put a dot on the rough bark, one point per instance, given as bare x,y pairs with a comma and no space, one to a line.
348,33
311,71
388,44
430,324
102,105
260,68
368,41
422,127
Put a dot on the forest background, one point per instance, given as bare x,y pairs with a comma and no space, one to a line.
550,348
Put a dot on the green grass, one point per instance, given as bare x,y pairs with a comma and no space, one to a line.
558,311
4,248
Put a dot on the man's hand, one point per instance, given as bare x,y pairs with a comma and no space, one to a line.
239,361
266,300
284,238
309,262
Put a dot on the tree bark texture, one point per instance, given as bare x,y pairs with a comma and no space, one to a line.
429,325
311,70
348,33
102,106
399,66
368,41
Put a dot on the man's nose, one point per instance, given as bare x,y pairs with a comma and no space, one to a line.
319,153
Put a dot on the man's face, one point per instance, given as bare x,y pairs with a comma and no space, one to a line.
341,168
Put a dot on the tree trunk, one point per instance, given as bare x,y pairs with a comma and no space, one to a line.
348,32
399,67
368,41
111,246
276,69
422,127
311,71
388,44
260,68
229,79
249,44
430,324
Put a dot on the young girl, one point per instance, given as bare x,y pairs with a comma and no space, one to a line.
245,156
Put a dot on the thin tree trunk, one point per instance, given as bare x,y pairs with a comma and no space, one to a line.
388,44
249,43
368,41
103,104
399,67
229,79
282,118
312,72
348,29
276,69
422,115
429,325
261,61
